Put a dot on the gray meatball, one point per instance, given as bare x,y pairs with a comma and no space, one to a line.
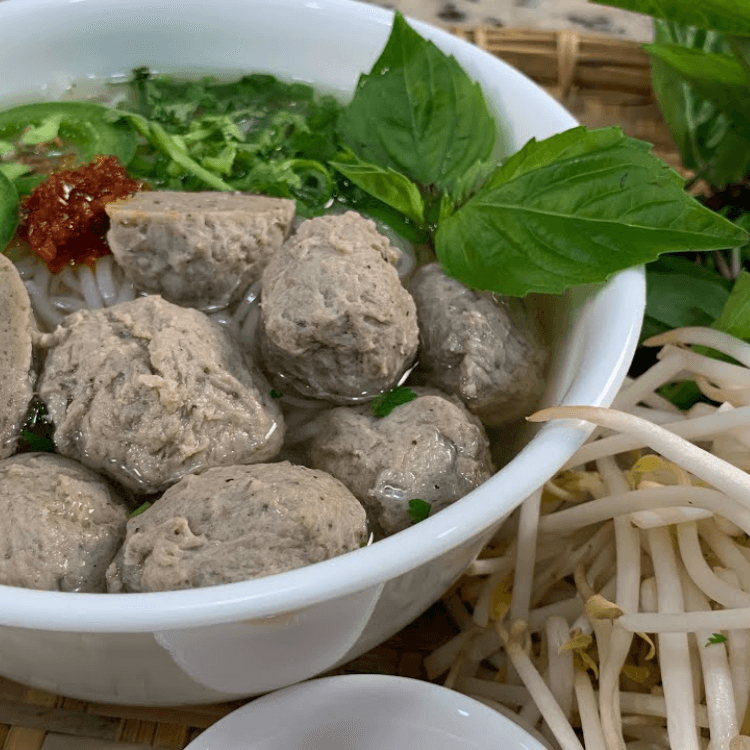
16,373
336,323
231,524
197,249
431,448
485,350
62,524
147,392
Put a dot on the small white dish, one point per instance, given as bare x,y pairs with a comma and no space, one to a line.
365,712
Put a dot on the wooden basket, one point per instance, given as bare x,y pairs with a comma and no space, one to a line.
602,82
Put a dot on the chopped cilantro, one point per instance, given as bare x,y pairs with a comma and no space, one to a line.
384,404
418,510
716,638
38,443
140,509
275,394
37,431
256,134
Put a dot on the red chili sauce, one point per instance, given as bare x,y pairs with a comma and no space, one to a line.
64,220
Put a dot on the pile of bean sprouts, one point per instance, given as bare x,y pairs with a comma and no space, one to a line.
614,613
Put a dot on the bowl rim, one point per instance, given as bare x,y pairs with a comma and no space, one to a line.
477,512
406,691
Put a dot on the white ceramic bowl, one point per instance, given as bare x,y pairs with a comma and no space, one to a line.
213,644
366,712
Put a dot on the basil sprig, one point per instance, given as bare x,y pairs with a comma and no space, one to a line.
574,208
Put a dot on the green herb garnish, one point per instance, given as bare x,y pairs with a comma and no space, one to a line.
715,638
256,134
275,394
417,112
8,210
37,431
383,405
140,509
418,510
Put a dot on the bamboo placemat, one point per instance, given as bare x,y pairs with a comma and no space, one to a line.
602,81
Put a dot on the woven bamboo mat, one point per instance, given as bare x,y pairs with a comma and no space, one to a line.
602,82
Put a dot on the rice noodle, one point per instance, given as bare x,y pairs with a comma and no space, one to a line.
89,288
126,293
105,281
74,288
67,305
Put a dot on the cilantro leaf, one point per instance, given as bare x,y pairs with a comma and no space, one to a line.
732,16
8,210
256,134
38,443
418,510
575,208
38,430
715,638
171,147
46,131
383,405
419,113
140,509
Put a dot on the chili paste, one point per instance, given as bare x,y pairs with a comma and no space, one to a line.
64,218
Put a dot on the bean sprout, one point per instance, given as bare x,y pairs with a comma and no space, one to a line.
650,541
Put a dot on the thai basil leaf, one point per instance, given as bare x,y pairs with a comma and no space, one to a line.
740,46
731,16
575,208
385,403
715,76
8,210
704,136
674,300
735,317
419,113
418,509
385,184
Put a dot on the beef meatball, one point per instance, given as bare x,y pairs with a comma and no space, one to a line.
336,323
16,373
62,524
147,392
484,349
234,523
197,249
430,449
